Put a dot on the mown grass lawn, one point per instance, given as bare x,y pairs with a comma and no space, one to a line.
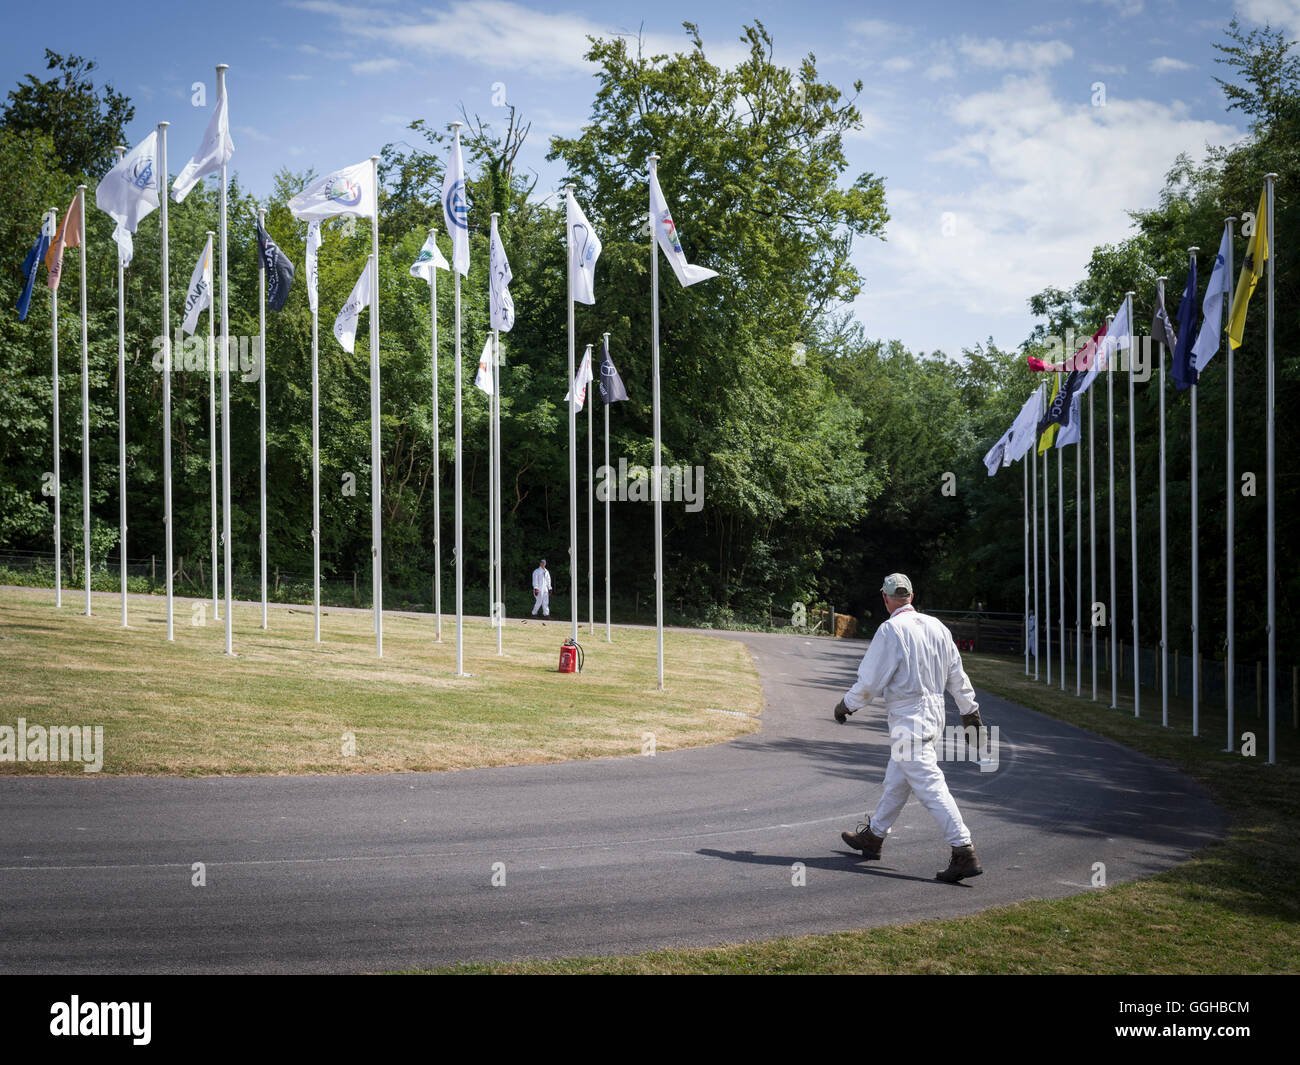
288,705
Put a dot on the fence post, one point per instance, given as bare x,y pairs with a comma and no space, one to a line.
153,569
356,600
832,606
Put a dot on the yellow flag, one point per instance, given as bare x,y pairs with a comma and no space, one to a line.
1048,437
1251,271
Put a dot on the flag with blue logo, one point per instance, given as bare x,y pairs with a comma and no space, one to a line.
499,278
129,192
584,250
1211,334
455,209
347,191
611,384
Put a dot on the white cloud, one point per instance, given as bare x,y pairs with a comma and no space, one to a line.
940,70
1014,55
501,34
377,66
1280,14
1041,182
1124,8
253,134
896,65
1168,65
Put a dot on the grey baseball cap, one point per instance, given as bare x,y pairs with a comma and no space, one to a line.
897,586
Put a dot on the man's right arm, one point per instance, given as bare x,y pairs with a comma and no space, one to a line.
878,665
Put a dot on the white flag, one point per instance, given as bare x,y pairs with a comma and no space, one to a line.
499,277
430,258
669,241
130,191
1211,334
345,325
455,209
582,379
347,191
995,459
199,297
483,379
313,246
584,250
1023,429
216,149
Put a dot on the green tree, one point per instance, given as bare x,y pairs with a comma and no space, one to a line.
83,122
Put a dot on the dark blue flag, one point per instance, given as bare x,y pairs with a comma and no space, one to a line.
611,385
30,267
1184,365
279,270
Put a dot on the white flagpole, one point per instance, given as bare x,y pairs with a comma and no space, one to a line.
1078,562
54,377
315,457
225,394
261,409
212,437
167,373
591,507
1272,572
1092,543
1026,539
1230,653
1110,455
491,491
437,456
121,413
1060,552
573,447
1196,564
1031,457
1164,545
1132,514
376,472
85,391
460,613
498,591
608,635
1047,567
658,479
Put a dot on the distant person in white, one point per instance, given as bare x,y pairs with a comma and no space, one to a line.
911,662
542,589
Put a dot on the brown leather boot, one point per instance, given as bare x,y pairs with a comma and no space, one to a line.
866,841
963,864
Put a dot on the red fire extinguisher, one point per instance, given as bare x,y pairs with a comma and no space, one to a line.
571,657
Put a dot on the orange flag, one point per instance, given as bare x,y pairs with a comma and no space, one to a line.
69,236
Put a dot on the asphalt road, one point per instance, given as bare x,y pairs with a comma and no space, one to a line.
617,855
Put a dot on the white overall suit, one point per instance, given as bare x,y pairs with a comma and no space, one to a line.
542,586
911,662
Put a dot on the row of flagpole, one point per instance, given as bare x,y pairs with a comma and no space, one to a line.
134,187
1048,420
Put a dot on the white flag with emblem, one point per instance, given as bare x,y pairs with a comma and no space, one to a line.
345,325
129,192
581,380
199,297
669,240
313,246
216,149
502,307
347,191
584,250
455,209
430,258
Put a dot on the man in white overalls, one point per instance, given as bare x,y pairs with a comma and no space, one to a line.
542,589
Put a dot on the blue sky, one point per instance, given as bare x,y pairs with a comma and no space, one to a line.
1005,161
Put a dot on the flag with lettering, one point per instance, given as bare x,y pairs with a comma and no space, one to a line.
610,384
279,270
199,296
345,325
32,266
